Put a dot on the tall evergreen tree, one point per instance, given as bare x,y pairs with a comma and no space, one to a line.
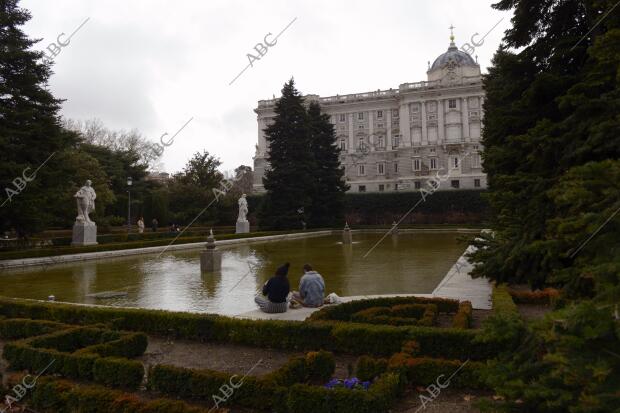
552,150
289,180
327,205
30,129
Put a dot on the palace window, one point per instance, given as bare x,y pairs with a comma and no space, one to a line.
395,142
381,142
362,144
416,164
379,125
381,168
433,150
452,103
455,184
395,167
361,171
475,160
361,188
343,117
343,144
381,188
379,114
394,113
360,127
416,151
455,162
433,163
360,116
477,183
417,184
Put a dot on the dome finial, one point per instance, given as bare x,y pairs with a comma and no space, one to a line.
452,33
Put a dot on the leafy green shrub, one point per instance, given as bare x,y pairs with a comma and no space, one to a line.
425,370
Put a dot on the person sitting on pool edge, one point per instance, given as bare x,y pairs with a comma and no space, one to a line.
311,288
275,292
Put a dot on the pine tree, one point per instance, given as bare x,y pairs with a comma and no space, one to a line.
30,129
289,179
327,207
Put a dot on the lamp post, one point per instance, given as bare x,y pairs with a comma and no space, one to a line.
129,183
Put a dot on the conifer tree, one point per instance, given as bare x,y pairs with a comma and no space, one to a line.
30,129
289,179
327,206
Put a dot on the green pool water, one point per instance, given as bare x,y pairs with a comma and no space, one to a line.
410,263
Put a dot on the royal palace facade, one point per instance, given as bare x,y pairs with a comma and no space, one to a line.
397,139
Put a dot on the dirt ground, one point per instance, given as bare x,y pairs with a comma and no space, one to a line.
533,311
448,401
230,358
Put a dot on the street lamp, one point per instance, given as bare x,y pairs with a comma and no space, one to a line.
129,183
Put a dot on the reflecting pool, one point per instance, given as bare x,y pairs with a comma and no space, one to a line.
409,263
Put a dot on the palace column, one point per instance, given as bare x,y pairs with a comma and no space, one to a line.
405,129
351,134
465,120
388,119
424,129
440,121
371,129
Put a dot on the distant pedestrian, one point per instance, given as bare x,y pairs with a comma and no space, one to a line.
140,225
154,224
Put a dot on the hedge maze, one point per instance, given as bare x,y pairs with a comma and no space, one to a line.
94,351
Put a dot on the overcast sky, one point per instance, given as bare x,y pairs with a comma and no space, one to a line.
154,64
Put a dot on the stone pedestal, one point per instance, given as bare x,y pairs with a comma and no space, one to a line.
210,260
243,227
347,237
394,229
84,233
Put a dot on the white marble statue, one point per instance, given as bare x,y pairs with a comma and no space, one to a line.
85,202
243,209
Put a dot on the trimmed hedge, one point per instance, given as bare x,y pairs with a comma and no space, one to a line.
13,329
548,296
463,317
345,311
425,371
286,390
502,301
48,252
344,337
63,396
70,353
399,315
453,206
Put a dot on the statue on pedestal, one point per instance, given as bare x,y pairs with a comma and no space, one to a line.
243,226
85,230
243,209
85,202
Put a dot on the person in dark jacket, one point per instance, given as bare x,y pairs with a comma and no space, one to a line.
275,292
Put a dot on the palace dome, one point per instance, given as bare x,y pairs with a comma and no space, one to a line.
453,55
